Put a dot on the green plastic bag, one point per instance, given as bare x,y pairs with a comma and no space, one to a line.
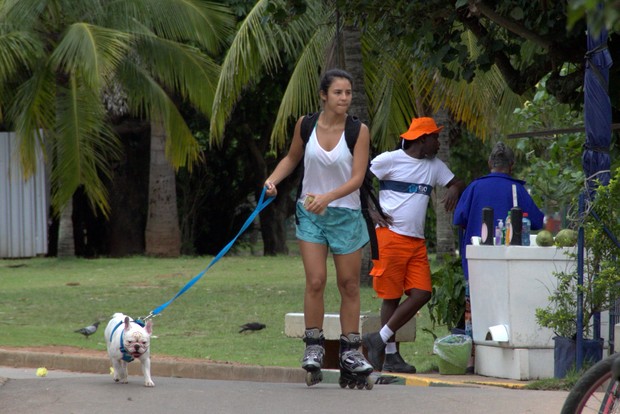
454,352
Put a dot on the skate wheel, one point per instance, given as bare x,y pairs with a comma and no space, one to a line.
342,383
360,385
369,385
351,384
313,378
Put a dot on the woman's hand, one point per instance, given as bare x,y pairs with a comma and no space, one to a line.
271,191
317,203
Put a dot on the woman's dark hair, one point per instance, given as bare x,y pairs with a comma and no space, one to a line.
328,78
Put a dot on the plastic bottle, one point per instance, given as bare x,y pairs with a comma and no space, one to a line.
486,232
516,220
468,327
525,231
508,231
499,233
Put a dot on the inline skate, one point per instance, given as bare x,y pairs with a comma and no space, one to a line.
312,361
354,369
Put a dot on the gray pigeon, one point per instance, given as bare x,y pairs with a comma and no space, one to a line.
252,326
88,330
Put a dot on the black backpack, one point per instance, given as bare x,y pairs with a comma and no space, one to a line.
367,191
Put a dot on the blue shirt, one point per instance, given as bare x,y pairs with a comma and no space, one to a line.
493,190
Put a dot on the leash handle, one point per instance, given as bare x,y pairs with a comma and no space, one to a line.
262,203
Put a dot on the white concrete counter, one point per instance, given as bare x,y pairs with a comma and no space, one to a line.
506,285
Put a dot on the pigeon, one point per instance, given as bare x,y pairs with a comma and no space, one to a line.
386,379
88,330
252,326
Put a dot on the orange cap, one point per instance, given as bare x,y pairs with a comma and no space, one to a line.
420,127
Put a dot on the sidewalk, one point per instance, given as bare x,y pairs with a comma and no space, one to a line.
94,362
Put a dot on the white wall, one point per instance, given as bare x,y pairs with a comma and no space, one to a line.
23,204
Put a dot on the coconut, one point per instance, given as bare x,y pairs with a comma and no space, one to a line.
566,238
544,238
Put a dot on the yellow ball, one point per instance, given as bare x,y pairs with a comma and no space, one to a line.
41,372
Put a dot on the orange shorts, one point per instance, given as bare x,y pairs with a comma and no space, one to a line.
402,265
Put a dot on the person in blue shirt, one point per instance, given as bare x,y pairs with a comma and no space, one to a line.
493,190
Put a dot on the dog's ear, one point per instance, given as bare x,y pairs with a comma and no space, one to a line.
149,327
127,323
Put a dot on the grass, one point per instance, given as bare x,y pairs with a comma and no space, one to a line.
44,300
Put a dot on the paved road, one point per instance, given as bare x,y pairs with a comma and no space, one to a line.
64,393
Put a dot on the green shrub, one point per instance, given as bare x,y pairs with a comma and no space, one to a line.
447,304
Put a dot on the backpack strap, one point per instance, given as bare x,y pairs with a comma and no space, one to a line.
307,125
352,128
305,130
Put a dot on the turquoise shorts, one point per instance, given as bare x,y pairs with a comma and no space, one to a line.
342,229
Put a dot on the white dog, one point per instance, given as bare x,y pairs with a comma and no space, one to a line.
127,340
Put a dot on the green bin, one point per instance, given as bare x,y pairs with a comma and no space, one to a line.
454,352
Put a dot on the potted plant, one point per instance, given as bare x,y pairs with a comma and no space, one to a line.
601,281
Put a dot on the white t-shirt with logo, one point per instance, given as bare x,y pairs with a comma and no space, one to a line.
408,210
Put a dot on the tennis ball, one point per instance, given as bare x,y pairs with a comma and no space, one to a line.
41,372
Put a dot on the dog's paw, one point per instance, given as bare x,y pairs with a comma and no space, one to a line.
149,383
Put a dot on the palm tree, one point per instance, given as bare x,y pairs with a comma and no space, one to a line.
61,57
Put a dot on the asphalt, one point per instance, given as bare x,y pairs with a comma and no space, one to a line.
197,369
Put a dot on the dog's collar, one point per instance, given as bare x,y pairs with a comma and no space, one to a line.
127,357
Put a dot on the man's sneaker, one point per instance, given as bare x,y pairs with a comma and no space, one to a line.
375,348
396,363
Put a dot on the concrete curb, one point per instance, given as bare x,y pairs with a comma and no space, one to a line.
161,368
223,371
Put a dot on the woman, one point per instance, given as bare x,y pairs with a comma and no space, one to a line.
329,217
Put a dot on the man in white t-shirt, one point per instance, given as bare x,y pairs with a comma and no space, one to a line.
407,177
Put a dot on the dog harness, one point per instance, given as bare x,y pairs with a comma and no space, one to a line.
127,357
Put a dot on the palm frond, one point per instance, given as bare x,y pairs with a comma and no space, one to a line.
203,23
182,68
479,104
19,50
300,96
93,51
31,111
147,97
83,145
21,13
257,48
389,79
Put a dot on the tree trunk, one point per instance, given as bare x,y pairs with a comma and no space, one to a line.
353,63
66,239
445,229
162,234
129,190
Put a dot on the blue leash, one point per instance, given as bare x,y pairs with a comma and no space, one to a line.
259,207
